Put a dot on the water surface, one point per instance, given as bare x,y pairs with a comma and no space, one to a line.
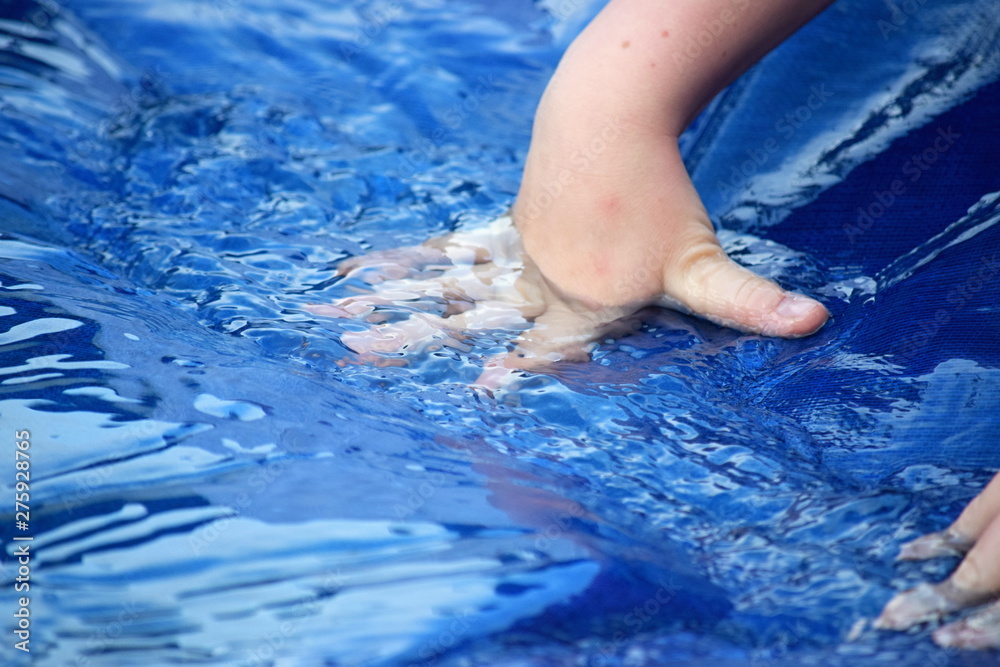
211,484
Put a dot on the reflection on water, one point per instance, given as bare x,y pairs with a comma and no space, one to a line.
212,483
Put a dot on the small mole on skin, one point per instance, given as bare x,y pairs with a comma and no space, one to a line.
626,44
665,33
652,65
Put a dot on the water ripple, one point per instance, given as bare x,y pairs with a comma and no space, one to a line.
214,481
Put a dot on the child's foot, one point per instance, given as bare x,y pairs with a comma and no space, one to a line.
923,604
979,631
935,545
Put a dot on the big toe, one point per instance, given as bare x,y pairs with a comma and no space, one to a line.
719,289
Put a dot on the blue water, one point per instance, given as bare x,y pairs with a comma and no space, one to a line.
212,484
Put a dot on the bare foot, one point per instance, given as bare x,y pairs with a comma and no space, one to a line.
975,581
924,604
936,545
979,631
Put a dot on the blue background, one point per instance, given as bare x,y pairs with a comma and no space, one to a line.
210,485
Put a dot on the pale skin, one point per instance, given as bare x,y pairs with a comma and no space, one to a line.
976,536
607,221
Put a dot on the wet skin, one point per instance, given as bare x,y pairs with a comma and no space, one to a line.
976,536
608,222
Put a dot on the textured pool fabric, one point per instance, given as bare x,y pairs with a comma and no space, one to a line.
213,482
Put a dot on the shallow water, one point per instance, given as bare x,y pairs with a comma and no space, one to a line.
210,485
